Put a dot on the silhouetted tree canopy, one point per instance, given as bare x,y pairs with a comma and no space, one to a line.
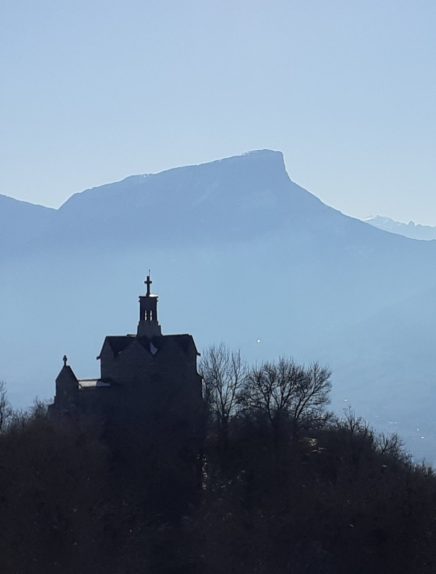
285,390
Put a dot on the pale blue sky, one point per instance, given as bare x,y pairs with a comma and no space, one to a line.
93,91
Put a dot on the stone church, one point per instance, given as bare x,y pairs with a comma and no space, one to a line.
148,382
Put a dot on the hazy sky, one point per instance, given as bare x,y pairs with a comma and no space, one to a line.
93,91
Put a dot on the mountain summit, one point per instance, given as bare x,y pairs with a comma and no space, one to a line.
229,199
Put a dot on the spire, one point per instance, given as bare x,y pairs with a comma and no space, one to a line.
148,325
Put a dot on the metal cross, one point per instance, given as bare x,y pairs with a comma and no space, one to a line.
148,283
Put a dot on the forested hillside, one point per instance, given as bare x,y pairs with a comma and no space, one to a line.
283,487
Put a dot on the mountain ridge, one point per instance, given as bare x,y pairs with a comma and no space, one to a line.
182,190
224,196
410,230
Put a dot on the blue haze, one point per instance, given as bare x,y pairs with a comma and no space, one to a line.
239,253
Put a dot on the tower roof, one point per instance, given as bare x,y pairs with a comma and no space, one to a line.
66,373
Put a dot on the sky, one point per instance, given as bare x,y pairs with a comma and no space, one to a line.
93,91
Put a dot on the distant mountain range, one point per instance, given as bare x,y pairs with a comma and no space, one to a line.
411,229
239,253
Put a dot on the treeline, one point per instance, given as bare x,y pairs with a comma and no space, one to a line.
279,485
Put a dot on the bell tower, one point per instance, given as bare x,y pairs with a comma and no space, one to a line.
148,325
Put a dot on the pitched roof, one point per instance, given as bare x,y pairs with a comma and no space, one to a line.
151,344
66,373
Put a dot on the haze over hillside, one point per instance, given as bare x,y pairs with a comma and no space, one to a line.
239,253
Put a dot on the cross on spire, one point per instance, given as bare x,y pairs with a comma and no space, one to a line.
148,282
148,325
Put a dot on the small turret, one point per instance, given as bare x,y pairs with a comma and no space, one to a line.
148,325
67,387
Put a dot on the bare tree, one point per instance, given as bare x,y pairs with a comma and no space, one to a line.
287,390
223,373
272,387
5,407
312,394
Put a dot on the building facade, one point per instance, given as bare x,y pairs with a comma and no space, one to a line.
148,384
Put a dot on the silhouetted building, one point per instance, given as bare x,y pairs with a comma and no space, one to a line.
148,385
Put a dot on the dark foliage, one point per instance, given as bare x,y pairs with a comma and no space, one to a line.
285,488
